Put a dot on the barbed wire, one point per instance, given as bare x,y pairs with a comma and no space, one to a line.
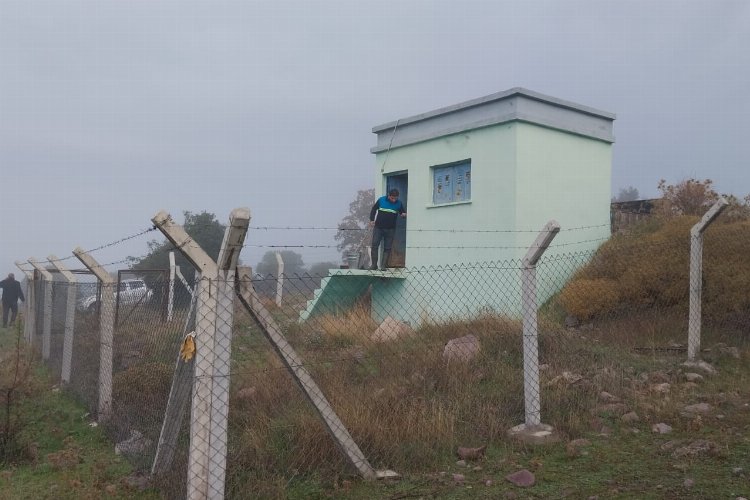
106,245
420,230
324,228
433,247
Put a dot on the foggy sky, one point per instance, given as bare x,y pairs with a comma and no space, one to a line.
113,110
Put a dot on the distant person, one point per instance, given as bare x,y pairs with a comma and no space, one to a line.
11,293
383,217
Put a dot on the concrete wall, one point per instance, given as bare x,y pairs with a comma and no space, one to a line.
492,151
565,177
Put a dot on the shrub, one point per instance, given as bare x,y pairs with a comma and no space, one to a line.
585,298
651,269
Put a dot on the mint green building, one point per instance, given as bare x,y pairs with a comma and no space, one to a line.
479,180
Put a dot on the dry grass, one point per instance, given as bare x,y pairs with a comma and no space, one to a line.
649,268
408,409
405,406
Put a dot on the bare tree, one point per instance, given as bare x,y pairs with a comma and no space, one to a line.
353,226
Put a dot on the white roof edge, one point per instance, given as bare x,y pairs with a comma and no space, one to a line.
496,97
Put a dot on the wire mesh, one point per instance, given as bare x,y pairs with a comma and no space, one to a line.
299,378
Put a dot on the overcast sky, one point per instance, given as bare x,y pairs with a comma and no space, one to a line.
113,110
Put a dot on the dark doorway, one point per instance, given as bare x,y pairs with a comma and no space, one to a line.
398,250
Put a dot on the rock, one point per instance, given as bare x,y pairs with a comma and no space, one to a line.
725,350
391,329
696,448
689,386
465,453
702,365
693,377
571,321
566,377
461,463
606,397
137,443
737,471
688,483
522,478
661,428
389,474
461,349
662,388
459,478
696,409
630,417
571,378
488,482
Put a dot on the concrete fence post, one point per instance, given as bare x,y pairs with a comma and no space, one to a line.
29,309
182,279
106,330
170,302
70,316
533,428
213,340
696,276
279,278
46,308
249,298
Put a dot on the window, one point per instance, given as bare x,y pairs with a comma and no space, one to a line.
451,183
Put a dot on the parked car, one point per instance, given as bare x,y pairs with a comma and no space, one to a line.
130,292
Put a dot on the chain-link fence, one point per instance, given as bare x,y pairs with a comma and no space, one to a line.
359,372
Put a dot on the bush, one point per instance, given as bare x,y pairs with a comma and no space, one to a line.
585,298
651,269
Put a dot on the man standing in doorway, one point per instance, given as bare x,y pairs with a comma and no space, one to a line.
11,293
383,217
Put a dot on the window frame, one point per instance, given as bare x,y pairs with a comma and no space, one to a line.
445,193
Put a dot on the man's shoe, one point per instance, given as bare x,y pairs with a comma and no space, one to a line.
373,268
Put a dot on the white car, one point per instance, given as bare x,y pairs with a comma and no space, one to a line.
130,292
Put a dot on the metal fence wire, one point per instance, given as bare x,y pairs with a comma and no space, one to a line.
266,383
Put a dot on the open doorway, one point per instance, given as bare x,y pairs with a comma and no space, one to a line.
398,250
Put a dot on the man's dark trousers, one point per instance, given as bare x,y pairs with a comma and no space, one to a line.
386,236
13,309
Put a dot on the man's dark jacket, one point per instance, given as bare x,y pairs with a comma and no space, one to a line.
11,291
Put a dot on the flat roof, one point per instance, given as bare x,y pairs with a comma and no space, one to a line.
516,104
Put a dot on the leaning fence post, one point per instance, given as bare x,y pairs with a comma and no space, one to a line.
249,298
47,308
170,303
179,395
696,276
106,330
29,304
533,428
70,315
279,278
213,337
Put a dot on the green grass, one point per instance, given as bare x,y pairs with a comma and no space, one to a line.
59,454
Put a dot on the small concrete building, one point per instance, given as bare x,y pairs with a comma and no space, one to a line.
479,179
